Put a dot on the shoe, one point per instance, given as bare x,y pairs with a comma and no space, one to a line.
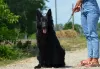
93,64
84,62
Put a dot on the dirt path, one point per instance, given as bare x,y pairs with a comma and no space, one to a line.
71,59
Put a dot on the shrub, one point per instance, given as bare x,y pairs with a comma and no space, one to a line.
27,44
19,44
8,52
27,47
33,36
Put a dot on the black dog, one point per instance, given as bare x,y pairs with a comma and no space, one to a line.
51,54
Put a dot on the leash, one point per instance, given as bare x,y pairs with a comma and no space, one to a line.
70,17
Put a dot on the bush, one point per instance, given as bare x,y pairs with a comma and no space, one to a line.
19,44
77,27
33,36
27,44
19,51
8,52
27,47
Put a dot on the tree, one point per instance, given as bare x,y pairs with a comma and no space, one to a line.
68,26
77,27
6,17
27,10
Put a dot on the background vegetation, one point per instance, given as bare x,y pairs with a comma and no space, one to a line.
17,22
18,30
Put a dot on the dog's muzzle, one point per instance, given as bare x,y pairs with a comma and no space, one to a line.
44,30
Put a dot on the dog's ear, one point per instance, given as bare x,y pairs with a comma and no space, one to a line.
49,14
38,15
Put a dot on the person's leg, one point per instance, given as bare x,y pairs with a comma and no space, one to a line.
86,29
89,45
92,21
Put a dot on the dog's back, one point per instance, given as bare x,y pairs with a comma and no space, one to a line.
56,49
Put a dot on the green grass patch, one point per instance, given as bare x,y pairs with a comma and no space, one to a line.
33,36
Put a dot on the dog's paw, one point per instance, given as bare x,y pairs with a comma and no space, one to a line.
37,67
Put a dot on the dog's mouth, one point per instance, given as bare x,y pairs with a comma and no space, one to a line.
44,30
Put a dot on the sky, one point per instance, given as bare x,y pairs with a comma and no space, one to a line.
64,10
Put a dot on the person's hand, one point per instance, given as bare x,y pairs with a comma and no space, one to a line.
77,6
77,9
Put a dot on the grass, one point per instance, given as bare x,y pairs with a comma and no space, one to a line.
33,36
6,61
72,44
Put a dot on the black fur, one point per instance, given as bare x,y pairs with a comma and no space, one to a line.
51,54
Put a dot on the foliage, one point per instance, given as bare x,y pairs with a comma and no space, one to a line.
6,15
19,44
77,27
98,26
8,52
27,10
19,51
33,36
98,29
7,18
7,34
27,44
67,26
27,47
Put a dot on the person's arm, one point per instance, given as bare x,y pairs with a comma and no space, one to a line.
77,6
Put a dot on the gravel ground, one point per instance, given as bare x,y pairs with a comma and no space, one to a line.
71,59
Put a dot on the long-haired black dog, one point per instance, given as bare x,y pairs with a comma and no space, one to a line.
51,54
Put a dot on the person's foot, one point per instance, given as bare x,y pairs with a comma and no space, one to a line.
94,63
85,62
95,60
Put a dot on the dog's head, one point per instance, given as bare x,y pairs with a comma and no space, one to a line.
43,22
